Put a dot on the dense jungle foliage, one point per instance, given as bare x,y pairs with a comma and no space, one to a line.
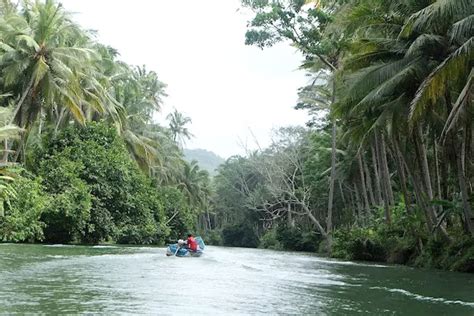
384,170
83,160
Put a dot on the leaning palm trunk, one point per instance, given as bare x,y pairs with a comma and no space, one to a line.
423,161
384,181
468,217
368,181
360,205
363,181
419,195
384,165
401,173
378,189
425,172
343,196
437,174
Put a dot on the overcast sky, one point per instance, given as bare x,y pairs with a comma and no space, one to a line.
197,48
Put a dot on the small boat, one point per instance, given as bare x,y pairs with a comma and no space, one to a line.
174,250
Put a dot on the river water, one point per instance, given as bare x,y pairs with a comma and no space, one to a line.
108,280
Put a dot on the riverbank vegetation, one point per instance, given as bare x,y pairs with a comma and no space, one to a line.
385,169
83,160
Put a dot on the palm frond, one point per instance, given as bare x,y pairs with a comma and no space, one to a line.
434,87
464,100
438,17
462,30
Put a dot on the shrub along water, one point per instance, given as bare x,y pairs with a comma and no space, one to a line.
86,189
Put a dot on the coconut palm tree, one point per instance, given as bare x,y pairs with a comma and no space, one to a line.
398,74
49,67
193,183
177,126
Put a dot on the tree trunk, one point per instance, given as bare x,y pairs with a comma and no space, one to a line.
423,161
359,209
368,182
385,195
331,184
344,201
468,217
60,118
401,173
315,222
352,199
437,174
22,99
384,165
420,198
362,181
291,221
378,189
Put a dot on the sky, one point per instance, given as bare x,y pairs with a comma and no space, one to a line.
234,94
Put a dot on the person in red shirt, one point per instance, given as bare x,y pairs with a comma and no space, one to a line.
192,243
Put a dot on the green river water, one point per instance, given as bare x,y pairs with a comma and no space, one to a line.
61,279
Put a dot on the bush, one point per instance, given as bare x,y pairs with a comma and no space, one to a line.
455,256
22,220
123,204
212,237
358,244
293,238
239,236
269,240
67,215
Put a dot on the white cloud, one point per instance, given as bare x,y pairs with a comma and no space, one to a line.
197,48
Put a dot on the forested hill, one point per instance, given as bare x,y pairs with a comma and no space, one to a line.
206,159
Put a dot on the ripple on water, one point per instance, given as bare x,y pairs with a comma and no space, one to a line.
60,246
424,298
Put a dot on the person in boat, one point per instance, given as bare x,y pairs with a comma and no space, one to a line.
191,243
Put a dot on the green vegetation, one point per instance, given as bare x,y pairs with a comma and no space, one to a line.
384,170
83,161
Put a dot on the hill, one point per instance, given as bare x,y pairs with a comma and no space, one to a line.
206,159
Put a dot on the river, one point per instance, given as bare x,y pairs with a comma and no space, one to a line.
60,279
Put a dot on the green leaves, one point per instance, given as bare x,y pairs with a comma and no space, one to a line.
435,86
438,17
101,194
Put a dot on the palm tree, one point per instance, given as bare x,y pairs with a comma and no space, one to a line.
177,126
401,58
49,67
450,24
193,183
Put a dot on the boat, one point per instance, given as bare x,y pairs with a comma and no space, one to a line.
175,250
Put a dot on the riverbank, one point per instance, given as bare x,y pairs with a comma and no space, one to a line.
378,243
387,246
